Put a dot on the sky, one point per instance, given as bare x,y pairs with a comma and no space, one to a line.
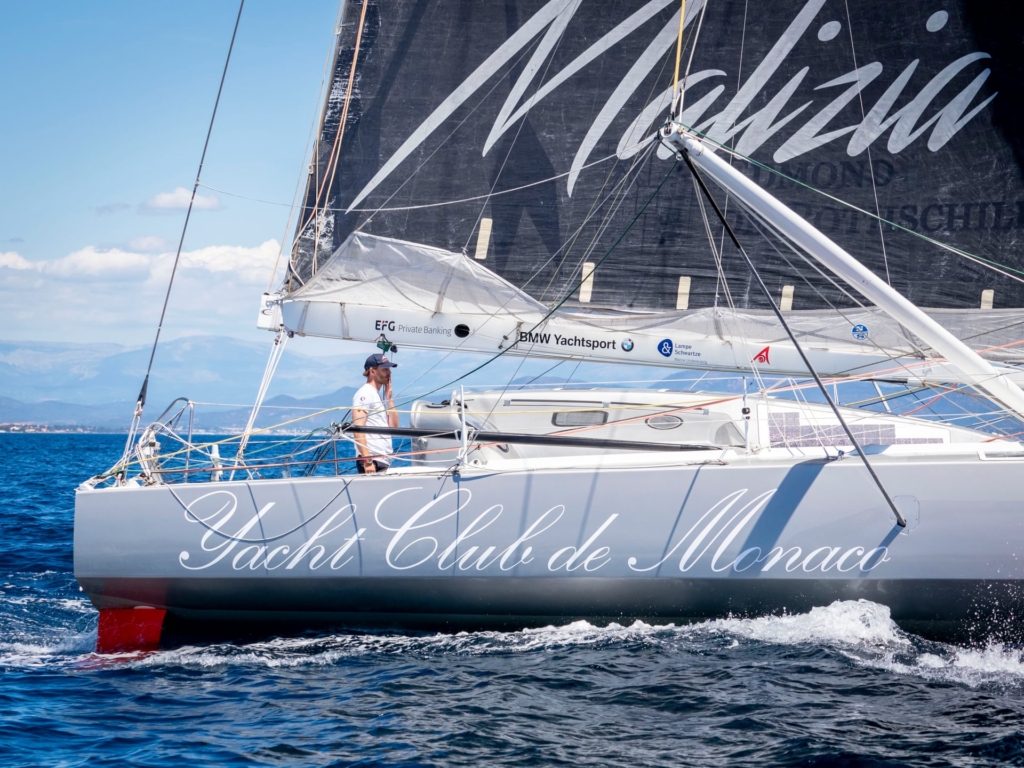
105,109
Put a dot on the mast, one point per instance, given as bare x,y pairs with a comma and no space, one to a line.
979,372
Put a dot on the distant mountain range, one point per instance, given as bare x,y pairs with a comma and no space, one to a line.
94,386
207,368
116,417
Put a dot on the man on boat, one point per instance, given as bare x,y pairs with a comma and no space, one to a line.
368,408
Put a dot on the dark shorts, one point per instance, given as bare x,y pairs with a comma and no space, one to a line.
380,466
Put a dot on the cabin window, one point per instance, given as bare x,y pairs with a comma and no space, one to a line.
579,418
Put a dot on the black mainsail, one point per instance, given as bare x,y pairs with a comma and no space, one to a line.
907,110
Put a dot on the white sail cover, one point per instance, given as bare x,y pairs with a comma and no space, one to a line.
394,275
373,271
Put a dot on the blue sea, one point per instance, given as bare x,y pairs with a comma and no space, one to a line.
841,685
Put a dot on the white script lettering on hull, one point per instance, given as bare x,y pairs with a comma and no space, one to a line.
703,534
418,538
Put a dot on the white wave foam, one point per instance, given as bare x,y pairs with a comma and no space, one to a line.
862,631
847,623
290,652
29,654
44,631
844,622
994,664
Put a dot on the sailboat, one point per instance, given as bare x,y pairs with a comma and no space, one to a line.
518,507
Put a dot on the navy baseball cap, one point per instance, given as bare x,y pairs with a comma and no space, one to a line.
378,361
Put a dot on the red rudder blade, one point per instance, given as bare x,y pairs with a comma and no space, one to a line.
129,629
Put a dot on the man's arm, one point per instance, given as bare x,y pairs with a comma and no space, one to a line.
359,419
389,403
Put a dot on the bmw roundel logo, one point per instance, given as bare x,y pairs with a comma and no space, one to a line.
627,345
665,347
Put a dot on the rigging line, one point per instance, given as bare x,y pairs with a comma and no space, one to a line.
522,121
498,399
723,283
568,293
606,223
306,155
689,61
1005,327
535,274
755,219
177,257
497,81
733,138
871,166
573,289
332,164
968,394
883,319
573,373
995,266
901,521
679,53
900,365
422,205
604,184
418,168
618,197
928,403
885,398
519,129
615,245
597,205
539,375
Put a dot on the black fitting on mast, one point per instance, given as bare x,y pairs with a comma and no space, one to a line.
141,402
900,520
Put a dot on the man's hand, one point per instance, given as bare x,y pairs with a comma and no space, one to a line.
387,392
369,466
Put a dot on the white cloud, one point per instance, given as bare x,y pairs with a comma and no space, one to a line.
84,263
116,294
170,202
147,243
91,262
247,263
13,260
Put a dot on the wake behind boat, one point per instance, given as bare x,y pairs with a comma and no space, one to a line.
520,508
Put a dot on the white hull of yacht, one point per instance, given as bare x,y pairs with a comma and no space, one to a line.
655,537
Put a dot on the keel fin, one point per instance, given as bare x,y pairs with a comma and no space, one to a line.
130,629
